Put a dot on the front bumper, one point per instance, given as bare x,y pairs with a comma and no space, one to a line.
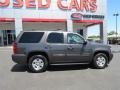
110,57
19,58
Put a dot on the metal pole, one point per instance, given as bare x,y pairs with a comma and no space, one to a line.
116,15
116,27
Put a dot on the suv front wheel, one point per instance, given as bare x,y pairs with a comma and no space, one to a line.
37,63
100,61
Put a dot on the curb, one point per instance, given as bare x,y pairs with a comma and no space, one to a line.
115,51
7,47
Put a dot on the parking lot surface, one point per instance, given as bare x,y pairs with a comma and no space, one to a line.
73,77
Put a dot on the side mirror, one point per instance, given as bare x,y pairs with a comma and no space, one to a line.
85,42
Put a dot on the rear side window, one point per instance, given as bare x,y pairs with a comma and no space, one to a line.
55,38
31,37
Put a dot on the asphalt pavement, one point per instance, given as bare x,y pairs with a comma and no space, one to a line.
74,77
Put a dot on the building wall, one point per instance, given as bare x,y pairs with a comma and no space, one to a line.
53,11
44,26
7,26
1,37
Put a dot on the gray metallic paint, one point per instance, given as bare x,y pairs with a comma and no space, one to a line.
61,53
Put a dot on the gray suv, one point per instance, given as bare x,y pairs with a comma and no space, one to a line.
38,49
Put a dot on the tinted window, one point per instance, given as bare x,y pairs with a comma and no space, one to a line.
31,37
74,39
55,38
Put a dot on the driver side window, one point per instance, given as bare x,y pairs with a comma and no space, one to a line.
74,39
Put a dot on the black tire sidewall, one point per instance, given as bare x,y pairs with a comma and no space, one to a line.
31,60
95,59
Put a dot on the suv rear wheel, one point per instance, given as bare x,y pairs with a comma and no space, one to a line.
100,61
38,63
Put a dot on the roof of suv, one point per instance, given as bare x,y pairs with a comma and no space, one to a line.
43,31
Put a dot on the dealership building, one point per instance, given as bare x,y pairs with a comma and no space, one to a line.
67,15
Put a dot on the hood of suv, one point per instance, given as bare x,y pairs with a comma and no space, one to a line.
95,44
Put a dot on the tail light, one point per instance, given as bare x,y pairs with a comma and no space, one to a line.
14,47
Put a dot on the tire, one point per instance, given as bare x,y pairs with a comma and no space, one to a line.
100,61
37,63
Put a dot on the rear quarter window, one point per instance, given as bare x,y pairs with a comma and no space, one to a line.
31,37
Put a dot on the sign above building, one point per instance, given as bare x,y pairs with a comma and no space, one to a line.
79,5
79,16
51,8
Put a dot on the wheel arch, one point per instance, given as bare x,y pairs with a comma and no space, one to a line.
43,53
102,51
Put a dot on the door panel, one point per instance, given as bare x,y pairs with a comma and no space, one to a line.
73,53
76,50
56,46
57,53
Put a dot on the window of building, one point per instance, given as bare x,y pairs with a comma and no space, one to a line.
31,37
55,38
80,32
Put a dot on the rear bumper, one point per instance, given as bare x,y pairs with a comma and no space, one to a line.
19,58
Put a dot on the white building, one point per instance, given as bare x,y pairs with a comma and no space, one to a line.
69,15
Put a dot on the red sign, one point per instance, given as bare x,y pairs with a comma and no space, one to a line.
77,16
79,5
88,5
28,3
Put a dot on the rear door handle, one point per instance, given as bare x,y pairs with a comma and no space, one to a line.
48,47
70,48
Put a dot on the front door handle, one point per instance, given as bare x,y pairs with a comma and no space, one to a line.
70,48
